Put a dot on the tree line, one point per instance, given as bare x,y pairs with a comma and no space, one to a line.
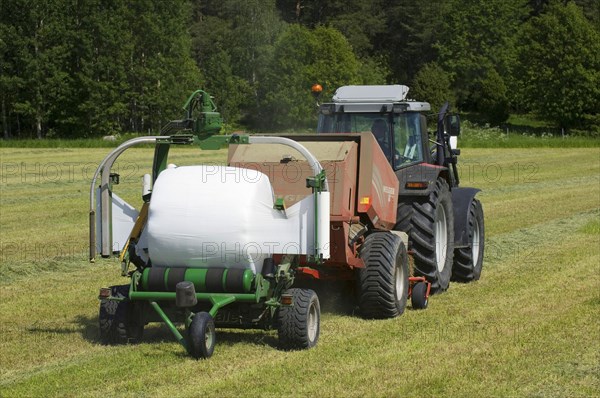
84,68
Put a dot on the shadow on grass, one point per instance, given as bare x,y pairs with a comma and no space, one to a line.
88,329
85,326
337,298
232,337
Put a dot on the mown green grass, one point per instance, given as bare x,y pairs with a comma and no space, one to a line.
517,140
59,143
529,327
472,136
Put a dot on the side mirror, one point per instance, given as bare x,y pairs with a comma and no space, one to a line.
452,123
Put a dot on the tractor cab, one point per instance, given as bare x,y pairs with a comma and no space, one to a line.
397,123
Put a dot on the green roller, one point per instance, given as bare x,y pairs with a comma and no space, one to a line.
205,280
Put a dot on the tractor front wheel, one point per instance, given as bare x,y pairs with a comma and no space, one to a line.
298,325
202,336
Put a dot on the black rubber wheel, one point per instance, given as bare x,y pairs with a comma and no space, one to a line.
202,336
468,261
383,283
299,325
120,321
418,296
429,223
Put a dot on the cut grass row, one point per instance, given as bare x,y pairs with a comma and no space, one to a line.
529,327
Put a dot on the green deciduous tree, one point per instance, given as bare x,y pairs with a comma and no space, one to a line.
477,47
162,72
491,98
102,44
94,67
11,78
39,60
233,44
412,30
432,84
301,58
84,68
560,65
591,10
363,23
211,49
359,21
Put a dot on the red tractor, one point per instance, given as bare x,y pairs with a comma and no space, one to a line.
444,222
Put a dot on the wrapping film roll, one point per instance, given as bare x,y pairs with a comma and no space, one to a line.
219,216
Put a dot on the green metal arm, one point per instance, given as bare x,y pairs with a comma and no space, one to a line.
168,322
207,103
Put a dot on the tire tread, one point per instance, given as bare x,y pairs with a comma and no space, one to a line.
463,269
416,217
292,322
377,297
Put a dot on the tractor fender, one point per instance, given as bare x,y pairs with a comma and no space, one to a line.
423,172
461,200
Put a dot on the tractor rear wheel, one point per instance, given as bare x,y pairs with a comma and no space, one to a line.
429,223
468,261
383,283
117,319
298,325
202,336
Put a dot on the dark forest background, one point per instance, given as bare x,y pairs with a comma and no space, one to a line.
85,68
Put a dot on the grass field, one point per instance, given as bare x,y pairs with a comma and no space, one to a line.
529,327
472,136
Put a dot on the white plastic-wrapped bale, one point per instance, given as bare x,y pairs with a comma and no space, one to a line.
218,216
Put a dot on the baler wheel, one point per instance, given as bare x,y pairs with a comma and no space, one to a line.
468,261
298,326
383,283
418,296
429,223
116,319
202,336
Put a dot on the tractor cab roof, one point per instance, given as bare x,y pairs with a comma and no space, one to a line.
375,99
